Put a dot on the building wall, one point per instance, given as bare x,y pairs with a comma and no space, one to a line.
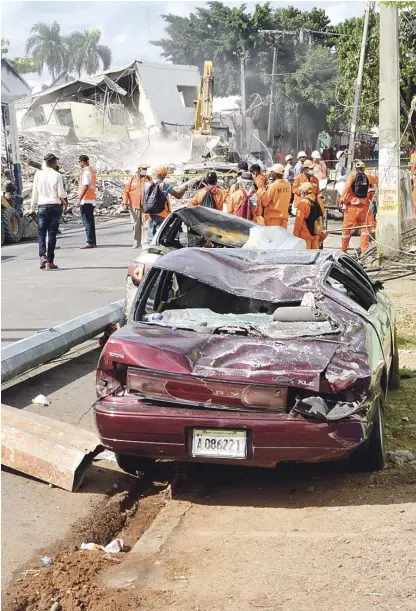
12,87
87,121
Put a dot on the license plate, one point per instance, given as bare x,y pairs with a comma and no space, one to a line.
219,444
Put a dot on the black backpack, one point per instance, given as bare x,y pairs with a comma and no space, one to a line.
154,200
315,221
360,185
208,200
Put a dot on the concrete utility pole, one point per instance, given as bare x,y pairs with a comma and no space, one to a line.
272,86
388,216
278,34
243,102
351,145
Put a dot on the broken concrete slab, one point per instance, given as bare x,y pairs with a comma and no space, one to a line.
50,450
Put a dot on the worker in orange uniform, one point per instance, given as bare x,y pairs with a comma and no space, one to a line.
244,201
260,180
211,195
357,198
275,201
309,217
413,180
306,176
132,197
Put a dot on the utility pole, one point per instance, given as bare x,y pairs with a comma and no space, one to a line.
272,86
388,216
278,34
353,129
243,102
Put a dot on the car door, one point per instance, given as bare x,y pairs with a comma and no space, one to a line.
355,292
379,313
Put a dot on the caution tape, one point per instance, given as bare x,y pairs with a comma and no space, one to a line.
188,176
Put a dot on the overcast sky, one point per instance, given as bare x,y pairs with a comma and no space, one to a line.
126,27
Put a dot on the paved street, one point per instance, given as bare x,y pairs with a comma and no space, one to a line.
33,300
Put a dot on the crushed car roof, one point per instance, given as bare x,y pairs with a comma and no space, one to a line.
216,226
270,275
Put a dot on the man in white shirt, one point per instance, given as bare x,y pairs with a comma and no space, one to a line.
48,195
86,199
289,174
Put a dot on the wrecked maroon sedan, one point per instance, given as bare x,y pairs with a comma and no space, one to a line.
250,357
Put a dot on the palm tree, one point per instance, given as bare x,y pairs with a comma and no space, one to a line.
84,53
46,47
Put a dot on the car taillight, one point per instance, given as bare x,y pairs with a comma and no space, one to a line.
136,272
110,381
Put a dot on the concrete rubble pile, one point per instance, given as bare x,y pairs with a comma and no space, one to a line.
109,158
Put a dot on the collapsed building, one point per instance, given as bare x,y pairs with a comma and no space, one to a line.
142,111
119,104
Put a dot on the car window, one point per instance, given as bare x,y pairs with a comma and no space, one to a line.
350,265
346,282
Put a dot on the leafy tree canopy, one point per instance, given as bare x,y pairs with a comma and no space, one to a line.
322,67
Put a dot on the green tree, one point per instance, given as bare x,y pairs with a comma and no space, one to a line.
24,65
83,53
5,42
223,34
348,47
46,47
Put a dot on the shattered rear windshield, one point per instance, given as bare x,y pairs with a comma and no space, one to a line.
177,301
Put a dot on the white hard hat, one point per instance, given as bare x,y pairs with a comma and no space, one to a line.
340,154
288,157
277,168
316,155
302,154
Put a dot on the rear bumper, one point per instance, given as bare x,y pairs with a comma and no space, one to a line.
127,427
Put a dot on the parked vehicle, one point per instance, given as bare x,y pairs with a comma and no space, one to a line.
196,226
251,358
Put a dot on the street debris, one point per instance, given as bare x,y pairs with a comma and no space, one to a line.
50,450
401,457
114,547
40,400
46,561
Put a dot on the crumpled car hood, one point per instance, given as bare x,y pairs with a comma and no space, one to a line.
294,363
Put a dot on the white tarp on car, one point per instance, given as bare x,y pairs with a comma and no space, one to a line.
273,238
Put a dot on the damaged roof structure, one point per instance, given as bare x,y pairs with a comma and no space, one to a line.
13,85
119,104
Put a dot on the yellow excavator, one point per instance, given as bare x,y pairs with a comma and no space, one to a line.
203,112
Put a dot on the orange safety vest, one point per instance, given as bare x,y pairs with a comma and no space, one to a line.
90,194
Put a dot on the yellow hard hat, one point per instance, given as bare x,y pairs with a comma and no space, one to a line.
306,187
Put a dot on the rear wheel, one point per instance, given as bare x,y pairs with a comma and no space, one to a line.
371,455
135,465
13,225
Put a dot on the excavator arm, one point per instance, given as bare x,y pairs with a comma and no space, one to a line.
203,107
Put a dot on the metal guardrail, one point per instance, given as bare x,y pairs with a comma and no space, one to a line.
41,348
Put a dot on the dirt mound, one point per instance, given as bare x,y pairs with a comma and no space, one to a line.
71,581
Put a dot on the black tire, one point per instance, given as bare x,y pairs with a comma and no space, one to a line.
394,381
123,317
3,233
371,455
135,465
13,225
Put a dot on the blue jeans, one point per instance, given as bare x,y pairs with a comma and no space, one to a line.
153,225
87,216
48,224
